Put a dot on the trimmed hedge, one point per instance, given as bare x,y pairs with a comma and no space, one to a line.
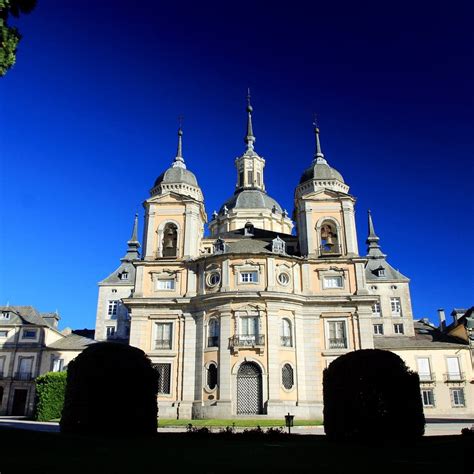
50,390
111,389
371,394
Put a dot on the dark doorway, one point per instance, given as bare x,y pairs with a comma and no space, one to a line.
249,389
19,401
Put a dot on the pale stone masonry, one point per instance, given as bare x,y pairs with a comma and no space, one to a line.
244,321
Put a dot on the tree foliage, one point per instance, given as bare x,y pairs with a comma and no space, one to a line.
111,389
371,394
9,35
50,390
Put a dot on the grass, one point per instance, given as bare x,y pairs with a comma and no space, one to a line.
238,423
54,453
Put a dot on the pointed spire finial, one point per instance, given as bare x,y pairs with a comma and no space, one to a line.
133,244
134,237
318,154
179,160
250,138
372,241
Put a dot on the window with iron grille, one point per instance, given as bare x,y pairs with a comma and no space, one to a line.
337,335
164,378
287,376
428,397
212,376
457,397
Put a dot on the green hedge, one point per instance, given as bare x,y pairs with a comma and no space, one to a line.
50,390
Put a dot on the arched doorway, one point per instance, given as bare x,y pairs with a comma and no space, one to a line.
249,389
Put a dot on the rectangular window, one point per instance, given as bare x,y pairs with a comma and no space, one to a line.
5,315
110,331
112,308
58,365
2,368
164,378
249,277
337,335
398,328
376,309
428,397
378,329
396,306
258,179
332,282
250,178
241,178
167,285
424,369
3,333
457,397
29,334
454,371
25,366
163,335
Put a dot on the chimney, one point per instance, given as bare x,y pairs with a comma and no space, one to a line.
442,319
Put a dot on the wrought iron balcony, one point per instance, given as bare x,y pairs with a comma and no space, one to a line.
25,376
454,377
247,340
163,344
286,341
213,341
338,343
330,250
426,377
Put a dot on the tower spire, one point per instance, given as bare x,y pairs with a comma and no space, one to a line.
373,249
250,138
179,160
318,154
133,244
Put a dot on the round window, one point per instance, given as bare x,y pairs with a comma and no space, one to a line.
213,279
283,278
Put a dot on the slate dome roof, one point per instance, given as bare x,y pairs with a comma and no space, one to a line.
251,199
177,175
320,171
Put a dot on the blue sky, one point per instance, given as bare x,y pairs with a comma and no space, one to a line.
89,118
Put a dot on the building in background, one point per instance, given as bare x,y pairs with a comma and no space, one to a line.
31,345
244,321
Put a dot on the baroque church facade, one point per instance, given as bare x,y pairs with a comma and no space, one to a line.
244,321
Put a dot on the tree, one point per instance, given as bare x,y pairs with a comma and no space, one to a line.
111,389
9,35
371,394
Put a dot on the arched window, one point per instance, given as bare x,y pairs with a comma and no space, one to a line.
287,376
329,244
170,241
213,333
285,337
212,376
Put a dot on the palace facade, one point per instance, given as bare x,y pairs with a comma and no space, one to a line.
243,321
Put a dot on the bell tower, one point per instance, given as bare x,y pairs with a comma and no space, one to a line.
324,210
174,213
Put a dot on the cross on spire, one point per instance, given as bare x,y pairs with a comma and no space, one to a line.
318,154
250,138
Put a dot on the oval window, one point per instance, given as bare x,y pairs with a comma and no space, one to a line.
213,279
287,376
212,376
283,278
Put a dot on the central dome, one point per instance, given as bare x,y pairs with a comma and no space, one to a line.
251,199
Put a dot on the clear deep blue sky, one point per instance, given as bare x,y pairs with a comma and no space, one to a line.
89,117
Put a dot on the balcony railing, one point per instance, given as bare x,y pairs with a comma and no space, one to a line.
247,340
286,341
25,376
426,377
163,344
213,341
454,377
338,343
329,250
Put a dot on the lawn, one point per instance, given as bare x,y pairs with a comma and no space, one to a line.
53,453
238,423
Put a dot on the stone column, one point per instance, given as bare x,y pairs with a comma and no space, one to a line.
273,349
189,358
349,227
225,276
363,319
225,376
